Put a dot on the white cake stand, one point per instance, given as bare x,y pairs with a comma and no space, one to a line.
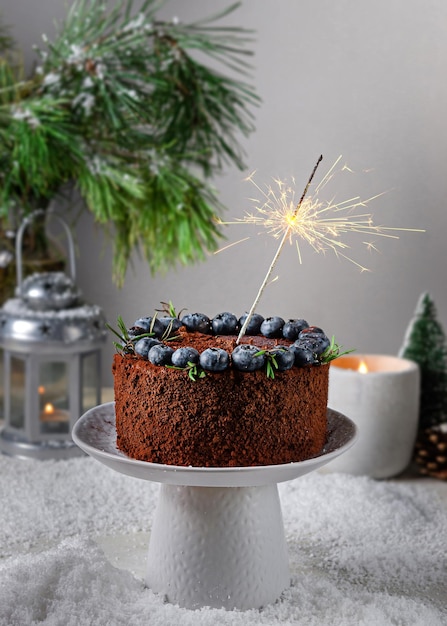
217,538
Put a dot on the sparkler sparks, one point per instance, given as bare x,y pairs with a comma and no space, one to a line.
319,223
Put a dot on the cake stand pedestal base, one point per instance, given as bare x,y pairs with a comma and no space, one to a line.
217,538
218,546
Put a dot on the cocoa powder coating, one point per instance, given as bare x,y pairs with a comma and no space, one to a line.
226,419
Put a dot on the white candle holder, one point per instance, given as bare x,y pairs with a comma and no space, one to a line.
384,404
217,539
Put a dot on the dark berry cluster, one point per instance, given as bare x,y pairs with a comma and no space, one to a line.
310,344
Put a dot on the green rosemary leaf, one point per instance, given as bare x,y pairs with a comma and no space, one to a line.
270,370
120,336
333,351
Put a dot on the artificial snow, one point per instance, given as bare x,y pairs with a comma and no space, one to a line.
25,115
18,309
361,552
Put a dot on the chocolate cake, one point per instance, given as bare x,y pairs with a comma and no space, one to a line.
268,407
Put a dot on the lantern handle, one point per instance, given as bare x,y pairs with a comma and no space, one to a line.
25,223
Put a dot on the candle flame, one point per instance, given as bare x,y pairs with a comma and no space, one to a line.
362,368
48,409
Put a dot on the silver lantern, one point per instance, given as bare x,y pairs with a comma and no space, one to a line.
51,342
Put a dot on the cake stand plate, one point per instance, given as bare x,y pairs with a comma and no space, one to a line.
95,433
217,537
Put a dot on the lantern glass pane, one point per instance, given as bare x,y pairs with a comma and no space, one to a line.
17,393
54,405
90,380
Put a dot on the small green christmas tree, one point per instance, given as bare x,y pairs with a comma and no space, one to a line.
425,343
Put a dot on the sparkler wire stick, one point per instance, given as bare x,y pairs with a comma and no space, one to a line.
278,252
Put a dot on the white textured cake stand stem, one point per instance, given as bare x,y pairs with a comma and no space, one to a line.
217,537
218,547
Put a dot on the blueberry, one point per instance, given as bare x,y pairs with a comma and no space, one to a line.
214,359
312,331
142,346
135,331
224,324
244,358
183,356
254,325
303,355
160,354
314,338
284,357
171,323
150,325
318,344
292,329
272,326
197,322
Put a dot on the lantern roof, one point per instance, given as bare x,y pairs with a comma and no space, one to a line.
49,291
22,325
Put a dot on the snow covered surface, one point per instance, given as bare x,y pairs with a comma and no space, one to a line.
74,534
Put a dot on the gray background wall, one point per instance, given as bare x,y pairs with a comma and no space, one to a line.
363,79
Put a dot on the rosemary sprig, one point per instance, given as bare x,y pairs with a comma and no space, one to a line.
126,343
166,336
271,364
168,309
333,351
194,370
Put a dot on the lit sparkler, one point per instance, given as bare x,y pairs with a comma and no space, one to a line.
319,223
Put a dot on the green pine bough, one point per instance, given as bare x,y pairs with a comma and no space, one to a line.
129,112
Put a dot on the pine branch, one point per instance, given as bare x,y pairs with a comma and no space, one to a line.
122,106
7,44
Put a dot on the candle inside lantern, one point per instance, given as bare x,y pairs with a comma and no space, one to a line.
50,413
48,408
53,399
381,395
